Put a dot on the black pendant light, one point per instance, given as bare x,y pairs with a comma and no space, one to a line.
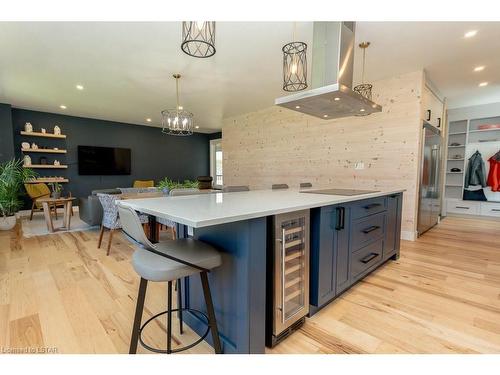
294,65
198,38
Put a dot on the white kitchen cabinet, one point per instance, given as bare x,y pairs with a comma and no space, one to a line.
432,108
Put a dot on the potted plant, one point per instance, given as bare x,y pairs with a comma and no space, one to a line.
12,177
167,184
56,188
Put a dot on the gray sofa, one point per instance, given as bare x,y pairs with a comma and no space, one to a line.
90,208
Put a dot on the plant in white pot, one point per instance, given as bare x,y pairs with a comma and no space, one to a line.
12,177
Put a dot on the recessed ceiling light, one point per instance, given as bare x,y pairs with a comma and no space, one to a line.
362,110
482,84
479,68
62,106
196,127
325,116
336,99
148,119
470,34
297,106
79,87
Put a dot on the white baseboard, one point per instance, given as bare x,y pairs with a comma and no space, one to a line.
408,235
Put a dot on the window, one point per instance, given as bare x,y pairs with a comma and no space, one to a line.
216,162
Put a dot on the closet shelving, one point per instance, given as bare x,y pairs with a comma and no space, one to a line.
464,138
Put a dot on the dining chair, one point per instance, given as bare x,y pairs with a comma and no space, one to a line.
235,188
279,186
110,218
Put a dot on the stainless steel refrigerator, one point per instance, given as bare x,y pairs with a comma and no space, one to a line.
429,208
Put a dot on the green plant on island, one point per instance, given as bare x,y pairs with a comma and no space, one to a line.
169,184
13,175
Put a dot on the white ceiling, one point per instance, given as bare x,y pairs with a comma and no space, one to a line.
126,68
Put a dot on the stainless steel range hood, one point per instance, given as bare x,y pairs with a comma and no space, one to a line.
332,71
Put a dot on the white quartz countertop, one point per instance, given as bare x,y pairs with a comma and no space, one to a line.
219,208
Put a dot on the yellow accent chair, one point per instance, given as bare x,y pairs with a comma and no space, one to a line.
38,191
144,183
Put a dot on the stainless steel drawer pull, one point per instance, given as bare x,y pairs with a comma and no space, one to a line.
368,258
495,209
372,205
370,229
465,208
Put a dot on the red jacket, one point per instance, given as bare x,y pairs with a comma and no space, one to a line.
494,174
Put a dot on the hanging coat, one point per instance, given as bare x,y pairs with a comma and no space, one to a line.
476,171
494,174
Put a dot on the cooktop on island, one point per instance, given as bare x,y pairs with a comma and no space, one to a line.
347,192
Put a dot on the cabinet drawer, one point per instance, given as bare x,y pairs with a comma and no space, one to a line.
366,258
368,207
366,230
462,207
490,209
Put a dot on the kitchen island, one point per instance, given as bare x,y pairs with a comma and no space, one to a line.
238,225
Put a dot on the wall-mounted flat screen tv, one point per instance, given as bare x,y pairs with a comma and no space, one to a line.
94,160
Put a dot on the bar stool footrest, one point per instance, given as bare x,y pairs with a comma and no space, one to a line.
177,350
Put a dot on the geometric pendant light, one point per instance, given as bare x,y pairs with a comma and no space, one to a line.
198,38
364,89
177,121
294,65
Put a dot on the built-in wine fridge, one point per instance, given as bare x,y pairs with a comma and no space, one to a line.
288,275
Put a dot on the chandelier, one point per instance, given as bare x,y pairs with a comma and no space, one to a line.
177,121
294,65
364,89
198,38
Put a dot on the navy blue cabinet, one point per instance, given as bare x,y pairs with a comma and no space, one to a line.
393,231
349,241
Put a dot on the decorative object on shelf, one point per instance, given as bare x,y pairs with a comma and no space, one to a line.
364,89
177,121
456,170
488,126
12,175
43,131
28,128
56,149
27,160
25,146
457,157
455,144
34,146
43,160
198,38
56,188
294,65
57,130
57,162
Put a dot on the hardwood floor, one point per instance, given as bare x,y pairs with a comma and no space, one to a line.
443,296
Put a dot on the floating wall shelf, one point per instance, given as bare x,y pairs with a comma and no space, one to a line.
44,150
46,135
46,166
48,180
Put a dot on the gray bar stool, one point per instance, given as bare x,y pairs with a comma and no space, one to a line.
166,262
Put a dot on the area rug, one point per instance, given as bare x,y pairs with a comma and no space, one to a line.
38,227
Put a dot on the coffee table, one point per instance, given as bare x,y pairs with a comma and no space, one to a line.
67,203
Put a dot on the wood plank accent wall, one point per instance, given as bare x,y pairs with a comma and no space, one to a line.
276,145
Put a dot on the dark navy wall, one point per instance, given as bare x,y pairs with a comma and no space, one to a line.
154,155
6,142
